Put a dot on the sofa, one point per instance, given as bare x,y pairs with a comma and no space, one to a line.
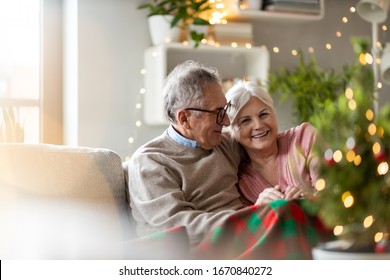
62,202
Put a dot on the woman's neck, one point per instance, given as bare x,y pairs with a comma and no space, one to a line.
262,158
267,164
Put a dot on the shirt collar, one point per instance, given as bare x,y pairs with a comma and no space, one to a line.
180,139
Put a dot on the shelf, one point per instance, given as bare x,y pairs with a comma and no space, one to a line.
231,63
235,13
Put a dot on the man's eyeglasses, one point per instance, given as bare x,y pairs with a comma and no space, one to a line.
219,112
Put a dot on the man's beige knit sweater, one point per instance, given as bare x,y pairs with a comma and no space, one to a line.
174,185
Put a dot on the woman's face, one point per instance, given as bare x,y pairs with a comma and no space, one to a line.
257,126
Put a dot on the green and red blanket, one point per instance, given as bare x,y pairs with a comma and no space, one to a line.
279,230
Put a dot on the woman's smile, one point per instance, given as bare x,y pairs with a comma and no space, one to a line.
261,134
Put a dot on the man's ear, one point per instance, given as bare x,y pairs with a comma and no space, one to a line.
182,118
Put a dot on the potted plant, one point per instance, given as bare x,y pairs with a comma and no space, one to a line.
180,14
307,86
353,194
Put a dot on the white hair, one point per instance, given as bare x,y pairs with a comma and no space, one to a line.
239,95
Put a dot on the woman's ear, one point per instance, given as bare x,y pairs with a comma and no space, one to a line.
182,117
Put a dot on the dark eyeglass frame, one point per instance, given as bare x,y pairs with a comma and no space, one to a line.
219,112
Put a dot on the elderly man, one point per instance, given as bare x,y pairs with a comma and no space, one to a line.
188,175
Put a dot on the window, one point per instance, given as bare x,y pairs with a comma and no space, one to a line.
20,71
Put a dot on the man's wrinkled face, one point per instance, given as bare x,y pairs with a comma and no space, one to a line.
204,128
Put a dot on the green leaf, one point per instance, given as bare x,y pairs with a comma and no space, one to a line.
200,21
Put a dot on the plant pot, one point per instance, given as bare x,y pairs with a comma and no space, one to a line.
160,30
338,250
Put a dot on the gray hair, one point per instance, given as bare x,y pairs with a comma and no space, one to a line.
184,87
239,95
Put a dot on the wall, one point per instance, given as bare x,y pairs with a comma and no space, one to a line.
113,34
109,44
288,36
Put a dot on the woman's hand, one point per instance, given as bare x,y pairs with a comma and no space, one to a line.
293,192
269,194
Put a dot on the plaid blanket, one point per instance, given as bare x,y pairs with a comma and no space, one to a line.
279,230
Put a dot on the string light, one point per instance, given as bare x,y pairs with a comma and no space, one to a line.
350,156
383,168
328,155
337,156
378,237
376,148
347,199
351,143
137,114
349,93
372,129
338,230
219,13
338,34
352,104
320,184
368,221
362,59
369,115
380,131
368,59
357,160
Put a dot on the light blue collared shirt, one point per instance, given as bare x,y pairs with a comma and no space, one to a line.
180,139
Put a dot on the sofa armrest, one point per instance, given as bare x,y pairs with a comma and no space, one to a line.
60,179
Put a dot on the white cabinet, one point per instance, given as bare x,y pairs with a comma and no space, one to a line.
231,62
235,13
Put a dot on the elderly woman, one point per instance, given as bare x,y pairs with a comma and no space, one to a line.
276,165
